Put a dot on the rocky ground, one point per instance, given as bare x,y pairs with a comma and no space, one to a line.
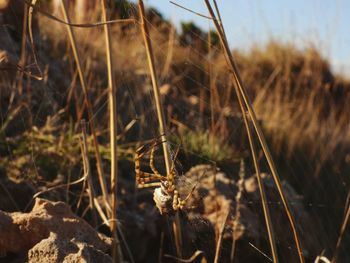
51,232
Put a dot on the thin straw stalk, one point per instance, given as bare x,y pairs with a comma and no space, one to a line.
88,105
116,252
157,98
160,114
341,235
239,83
87,171
219,243
260,182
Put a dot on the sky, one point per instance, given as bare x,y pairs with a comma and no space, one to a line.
321,23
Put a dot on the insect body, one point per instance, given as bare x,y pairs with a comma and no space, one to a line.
166,196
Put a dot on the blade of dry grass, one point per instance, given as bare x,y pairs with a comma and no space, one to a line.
221,234
116,251
82,179
177,234
87,171
160,114
170,53
211,85
342,231
260,252
88,106
83,25
190,10
261,186
242,92
157,98
189,260
31,38
23,55
161,247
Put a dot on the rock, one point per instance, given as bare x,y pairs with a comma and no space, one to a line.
54,249
212,201
212,197
52,233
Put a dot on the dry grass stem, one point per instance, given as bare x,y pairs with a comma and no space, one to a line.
160,114
342,232
157,98
219,242
87,170
264,200
88,106
83,25
116,251
242,92
189,260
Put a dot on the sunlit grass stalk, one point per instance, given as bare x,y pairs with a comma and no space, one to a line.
161,247
170,53
157,98
264,203
212,113
87,170
88,105
212,93
238,81
23,55
116,252
342,232
219,243
211,84
160,114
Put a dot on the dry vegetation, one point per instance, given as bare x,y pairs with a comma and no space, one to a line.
300,103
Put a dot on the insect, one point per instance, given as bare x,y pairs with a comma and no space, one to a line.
166,195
